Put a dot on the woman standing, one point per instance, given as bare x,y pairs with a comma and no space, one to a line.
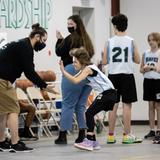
74,96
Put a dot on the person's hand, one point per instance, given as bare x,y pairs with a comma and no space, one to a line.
146,68
61,66
59,35
51,89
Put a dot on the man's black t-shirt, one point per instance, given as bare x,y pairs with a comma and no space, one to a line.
17,57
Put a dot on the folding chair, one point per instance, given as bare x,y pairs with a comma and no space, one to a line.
54,101
57,102
21,95
42,109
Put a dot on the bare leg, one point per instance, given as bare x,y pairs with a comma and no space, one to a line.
127,117
112,118
12,123
151,114
3,122
157,105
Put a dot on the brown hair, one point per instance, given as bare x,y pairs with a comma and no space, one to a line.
37,29
81,54
81,37
156,37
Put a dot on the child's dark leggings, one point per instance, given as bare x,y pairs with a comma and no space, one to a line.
104,101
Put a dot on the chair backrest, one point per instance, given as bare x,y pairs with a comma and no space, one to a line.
34,93
21,95
57,87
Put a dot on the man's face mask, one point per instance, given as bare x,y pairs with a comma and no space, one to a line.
71,29
39,46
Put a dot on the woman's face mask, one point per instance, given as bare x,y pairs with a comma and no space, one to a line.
71,29
39,46
71,26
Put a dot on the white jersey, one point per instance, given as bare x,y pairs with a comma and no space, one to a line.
151,59
120,55
100,82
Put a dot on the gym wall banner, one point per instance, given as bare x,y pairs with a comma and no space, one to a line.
24,13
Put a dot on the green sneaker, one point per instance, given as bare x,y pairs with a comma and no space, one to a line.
127,139
111,139
130,139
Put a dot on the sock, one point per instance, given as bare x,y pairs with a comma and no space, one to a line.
92,138
111,134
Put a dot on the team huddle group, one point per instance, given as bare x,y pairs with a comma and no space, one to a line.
79,77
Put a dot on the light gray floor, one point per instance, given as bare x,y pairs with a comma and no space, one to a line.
45,149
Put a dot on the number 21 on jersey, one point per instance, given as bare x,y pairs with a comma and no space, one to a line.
119,54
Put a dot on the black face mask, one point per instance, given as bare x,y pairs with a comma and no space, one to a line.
39,46
71,29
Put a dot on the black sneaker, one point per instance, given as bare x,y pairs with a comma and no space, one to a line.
29,138
156,139
20,147
5,146
150,135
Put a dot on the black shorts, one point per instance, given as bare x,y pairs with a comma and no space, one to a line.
126,87
104,101
151,90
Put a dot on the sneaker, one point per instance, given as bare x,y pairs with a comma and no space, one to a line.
156,139
111,139
96,145
127,139
29,138
150,135
20,147
86,145
136,139
5,146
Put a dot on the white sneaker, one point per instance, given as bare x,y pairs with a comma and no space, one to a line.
96,145
86,145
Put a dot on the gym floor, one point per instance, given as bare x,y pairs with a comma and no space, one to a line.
45,149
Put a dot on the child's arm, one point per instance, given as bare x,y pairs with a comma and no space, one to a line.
142,65
136,57
104,56
78,78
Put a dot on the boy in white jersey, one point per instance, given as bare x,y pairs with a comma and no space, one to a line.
151,84
120,53
99,82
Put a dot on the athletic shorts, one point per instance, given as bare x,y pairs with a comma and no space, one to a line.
126,87
151,90
8,98
105,100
